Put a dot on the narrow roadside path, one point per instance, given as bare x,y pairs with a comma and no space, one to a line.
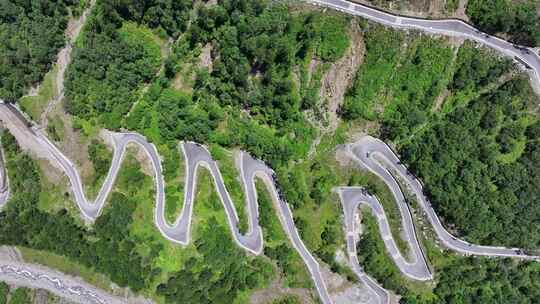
63,59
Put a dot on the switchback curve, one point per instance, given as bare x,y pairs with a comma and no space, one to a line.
375,156
371,153
196,156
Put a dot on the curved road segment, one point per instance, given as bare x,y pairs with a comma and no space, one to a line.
374,155
449,27
371,153
195,156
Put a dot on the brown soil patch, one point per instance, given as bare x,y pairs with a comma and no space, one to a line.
344,292
335,82
313,64
205,59
440,100
72,31
74,144
74,26
363,128
436,8
419,8
460,12
10,253
185,78
53,174
180,84
41,297
343,158
456,42
341,74
276,291
142,158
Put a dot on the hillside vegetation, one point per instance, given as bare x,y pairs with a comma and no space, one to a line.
31,33
518,20
474,151
244,74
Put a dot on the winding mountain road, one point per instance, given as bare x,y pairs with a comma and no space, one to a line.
372,154
195,156
369,152
448,27
375,156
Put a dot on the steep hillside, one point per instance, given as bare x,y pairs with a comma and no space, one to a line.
289,83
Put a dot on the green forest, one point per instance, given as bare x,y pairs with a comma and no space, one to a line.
479,166
476,153
463,120
31,33
464,280
516,19
20,295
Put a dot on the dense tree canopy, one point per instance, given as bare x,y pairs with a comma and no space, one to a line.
4,291
31,32
256,48
478,165
463,280
219,277
477,150
517,19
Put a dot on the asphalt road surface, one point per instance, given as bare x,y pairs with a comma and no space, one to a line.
374,155
196,156
4,182
449,27
371,153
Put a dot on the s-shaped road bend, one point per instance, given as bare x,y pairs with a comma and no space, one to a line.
449,27
375,156
369,152
195,156
372,154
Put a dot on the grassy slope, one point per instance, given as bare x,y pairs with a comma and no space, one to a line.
35,105
399,81
315,213
174,181
65,265
231,178
274,236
